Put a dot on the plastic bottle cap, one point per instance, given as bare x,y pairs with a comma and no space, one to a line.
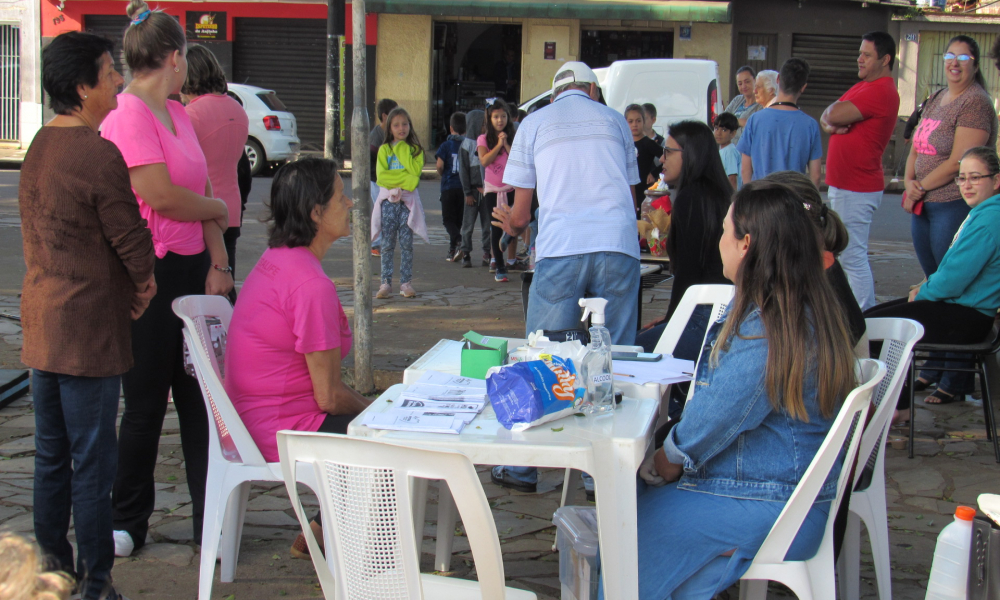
966,513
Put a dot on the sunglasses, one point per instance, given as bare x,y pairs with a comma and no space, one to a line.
973,179
952,56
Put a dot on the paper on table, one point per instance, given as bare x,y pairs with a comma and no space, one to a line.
448,380
667,370
438,406
464,417
405,421
427,391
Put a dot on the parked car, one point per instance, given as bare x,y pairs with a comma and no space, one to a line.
272,137
680,88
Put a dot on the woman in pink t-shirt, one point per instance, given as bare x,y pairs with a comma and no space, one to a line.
289,332
221,125
170,180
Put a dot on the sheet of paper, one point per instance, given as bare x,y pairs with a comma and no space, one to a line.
437,406
448,380
414,422
667,370
440,392
464,417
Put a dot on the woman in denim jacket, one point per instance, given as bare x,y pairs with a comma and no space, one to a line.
773,373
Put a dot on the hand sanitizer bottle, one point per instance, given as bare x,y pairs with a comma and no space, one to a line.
596,367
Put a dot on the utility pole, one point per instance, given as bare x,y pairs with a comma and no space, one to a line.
364,376
335,11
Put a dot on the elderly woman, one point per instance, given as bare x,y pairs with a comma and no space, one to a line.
89,263
745,104
221,125
169,175
959,301
954,119
765,89
289,332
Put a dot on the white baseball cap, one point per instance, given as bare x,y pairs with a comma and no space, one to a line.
574,72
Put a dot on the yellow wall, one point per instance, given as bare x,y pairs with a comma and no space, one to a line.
714,42
536,72
403,70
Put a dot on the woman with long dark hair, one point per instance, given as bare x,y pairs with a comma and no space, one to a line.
693,168
773,373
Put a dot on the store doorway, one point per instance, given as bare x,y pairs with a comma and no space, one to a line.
472,62
600,47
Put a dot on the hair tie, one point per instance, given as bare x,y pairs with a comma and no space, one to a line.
142,17
823,210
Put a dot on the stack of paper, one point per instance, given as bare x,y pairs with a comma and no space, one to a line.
436,403
667,370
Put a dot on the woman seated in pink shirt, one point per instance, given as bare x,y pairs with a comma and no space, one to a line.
289,331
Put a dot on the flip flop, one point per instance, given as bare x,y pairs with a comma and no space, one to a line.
943,397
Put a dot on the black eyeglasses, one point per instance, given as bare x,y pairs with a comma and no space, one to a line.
973,179
668,150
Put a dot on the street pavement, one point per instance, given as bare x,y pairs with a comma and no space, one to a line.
954,461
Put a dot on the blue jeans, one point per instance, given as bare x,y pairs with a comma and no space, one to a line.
560,282
553,303
856,210
934,230
76,455
682,535
394,218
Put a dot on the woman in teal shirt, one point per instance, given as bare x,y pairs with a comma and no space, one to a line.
959,301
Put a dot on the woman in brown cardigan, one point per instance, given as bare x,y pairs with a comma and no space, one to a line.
89,272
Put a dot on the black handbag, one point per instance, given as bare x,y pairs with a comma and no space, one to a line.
914,119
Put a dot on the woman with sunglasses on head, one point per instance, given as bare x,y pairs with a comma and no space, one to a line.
959,301
954,119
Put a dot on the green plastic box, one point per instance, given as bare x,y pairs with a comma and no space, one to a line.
480,353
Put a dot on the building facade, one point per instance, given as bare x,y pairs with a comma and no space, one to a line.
20,73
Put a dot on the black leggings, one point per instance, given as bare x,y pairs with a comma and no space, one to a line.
495,234
158,349
944,323
229,238
333,424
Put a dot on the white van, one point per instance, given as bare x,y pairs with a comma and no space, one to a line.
680,88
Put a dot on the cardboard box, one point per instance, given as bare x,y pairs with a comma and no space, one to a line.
480,353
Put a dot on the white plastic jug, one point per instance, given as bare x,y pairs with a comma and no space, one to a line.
950,570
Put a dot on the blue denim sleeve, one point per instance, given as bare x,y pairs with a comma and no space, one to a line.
732,399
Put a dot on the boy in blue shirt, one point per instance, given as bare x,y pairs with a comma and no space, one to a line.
452,197
726,126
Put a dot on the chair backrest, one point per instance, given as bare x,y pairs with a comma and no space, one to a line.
364,489
228,437
845,428
898,336
718,295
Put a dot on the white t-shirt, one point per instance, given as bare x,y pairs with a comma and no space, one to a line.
579,155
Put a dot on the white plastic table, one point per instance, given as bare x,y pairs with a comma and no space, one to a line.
610,448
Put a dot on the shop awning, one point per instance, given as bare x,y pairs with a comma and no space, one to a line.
665,10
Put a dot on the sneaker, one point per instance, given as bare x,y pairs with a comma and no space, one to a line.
466,262
457,256
486,259
406,290
123,544
376,251
493,266
499,477
517,265
451,255
384,291
501,278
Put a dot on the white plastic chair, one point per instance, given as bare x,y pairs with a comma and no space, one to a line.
719,296
814,578
898,336
233,458
365,489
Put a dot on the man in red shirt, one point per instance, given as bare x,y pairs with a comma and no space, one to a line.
860,124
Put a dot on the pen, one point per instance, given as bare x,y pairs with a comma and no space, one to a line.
623,375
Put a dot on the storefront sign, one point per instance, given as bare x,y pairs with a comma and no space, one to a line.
206,25
550,50
686,33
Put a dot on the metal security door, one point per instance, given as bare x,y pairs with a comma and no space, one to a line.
10,83
757,50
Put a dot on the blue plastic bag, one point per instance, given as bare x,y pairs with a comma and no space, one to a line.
530,393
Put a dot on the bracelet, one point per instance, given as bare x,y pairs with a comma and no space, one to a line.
226,269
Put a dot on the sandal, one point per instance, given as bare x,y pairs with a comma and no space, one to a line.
920,385
942,397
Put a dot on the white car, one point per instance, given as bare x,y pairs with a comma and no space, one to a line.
272,137
680,88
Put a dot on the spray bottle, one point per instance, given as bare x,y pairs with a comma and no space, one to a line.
596,367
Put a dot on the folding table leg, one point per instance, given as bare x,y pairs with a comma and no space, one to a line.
418,492
913,408
447,516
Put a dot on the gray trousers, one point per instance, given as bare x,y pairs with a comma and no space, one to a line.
469,217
